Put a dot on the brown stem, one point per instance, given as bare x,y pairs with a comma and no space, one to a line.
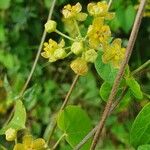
64,104
69,92
112,95
116,102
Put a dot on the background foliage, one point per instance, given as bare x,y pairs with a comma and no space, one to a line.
21,27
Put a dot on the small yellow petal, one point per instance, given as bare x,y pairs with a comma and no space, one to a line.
19,147
60,53
77,8
50,26
90,55
11,134
27,140
77,47
39,144
44,54
62,43
110,16
79,66
81,16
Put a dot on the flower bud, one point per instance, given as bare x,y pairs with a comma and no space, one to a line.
60,53
50,26
79,66
90,55
11,134
77,47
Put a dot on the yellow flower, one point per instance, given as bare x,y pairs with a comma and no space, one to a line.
51,49
11,134
50,26
74,12
90,55
100,9
29,144
77,47
79,66
98,33
114,53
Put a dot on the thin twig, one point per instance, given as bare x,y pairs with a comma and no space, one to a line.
141,67
39,50
116,102
64,104
109,4
56,144
112,95
69,92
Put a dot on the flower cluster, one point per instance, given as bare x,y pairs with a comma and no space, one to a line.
29,144
84,47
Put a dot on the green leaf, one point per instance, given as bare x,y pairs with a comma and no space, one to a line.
2,33
129,17
118,130
126,17
144,147
18,120
134,87
125,102
4,4
8,60
140,131
106,71
76,124
105,90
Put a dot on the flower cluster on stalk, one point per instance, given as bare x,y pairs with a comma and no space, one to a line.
84,47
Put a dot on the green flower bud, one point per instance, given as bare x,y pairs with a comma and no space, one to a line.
79,66
77,47
90,55
11,134
60,53
50,26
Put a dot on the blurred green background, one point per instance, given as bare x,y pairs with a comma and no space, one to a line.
21,26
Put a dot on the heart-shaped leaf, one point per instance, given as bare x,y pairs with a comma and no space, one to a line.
76,124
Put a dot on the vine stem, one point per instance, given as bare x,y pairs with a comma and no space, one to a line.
109,4
141,67
112,95
77,27
54,147
115,104
35,61
63,105
64,35
39,50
